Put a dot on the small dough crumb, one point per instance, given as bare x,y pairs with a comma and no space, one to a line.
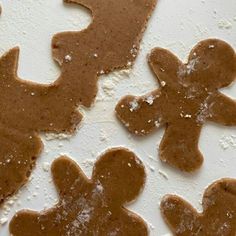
46,166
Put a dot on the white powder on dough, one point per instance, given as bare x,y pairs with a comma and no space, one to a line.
134,105
150,99
185,70
68,58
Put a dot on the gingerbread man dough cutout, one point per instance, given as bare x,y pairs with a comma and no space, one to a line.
188,97
29,108
89,207
217,219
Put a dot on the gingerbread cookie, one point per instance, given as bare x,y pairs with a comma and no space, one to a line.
28,108
110,42
187,98
217,219
89,207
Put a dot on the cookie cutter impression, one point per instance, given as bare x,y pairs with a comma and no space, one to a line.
28,109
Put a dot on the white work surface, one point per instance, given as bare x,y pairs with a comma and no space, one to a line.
177,25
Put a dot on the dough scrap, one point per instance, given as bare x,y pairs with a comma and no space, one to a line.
188,97
27,108
109,43
89,206
217,219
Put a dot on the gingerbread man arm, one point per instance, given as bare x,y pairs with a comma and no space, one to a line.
67,175
179,146
69,179
25,223
165,66
141,115
222,110
180,216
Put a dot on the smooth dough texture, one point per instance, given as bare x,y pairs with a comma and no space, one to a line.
110,42
26,108
89,207
217,219
188,97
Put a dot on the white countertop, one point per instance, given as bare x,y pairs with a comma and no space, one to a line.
177,25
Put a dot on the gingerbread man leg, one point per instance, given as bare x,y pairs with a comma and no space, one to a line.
179,146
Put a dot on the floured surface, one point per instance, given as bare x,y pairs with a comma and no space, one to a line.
90,207
178,28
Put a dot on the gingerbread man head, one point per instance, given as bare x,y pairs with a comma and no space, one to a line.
211,65
217,219
186,99
88,207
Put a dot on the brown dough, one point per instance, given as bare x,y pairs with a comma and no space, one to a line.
89,207
29,108
26,110
188,97
217,219
110,42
